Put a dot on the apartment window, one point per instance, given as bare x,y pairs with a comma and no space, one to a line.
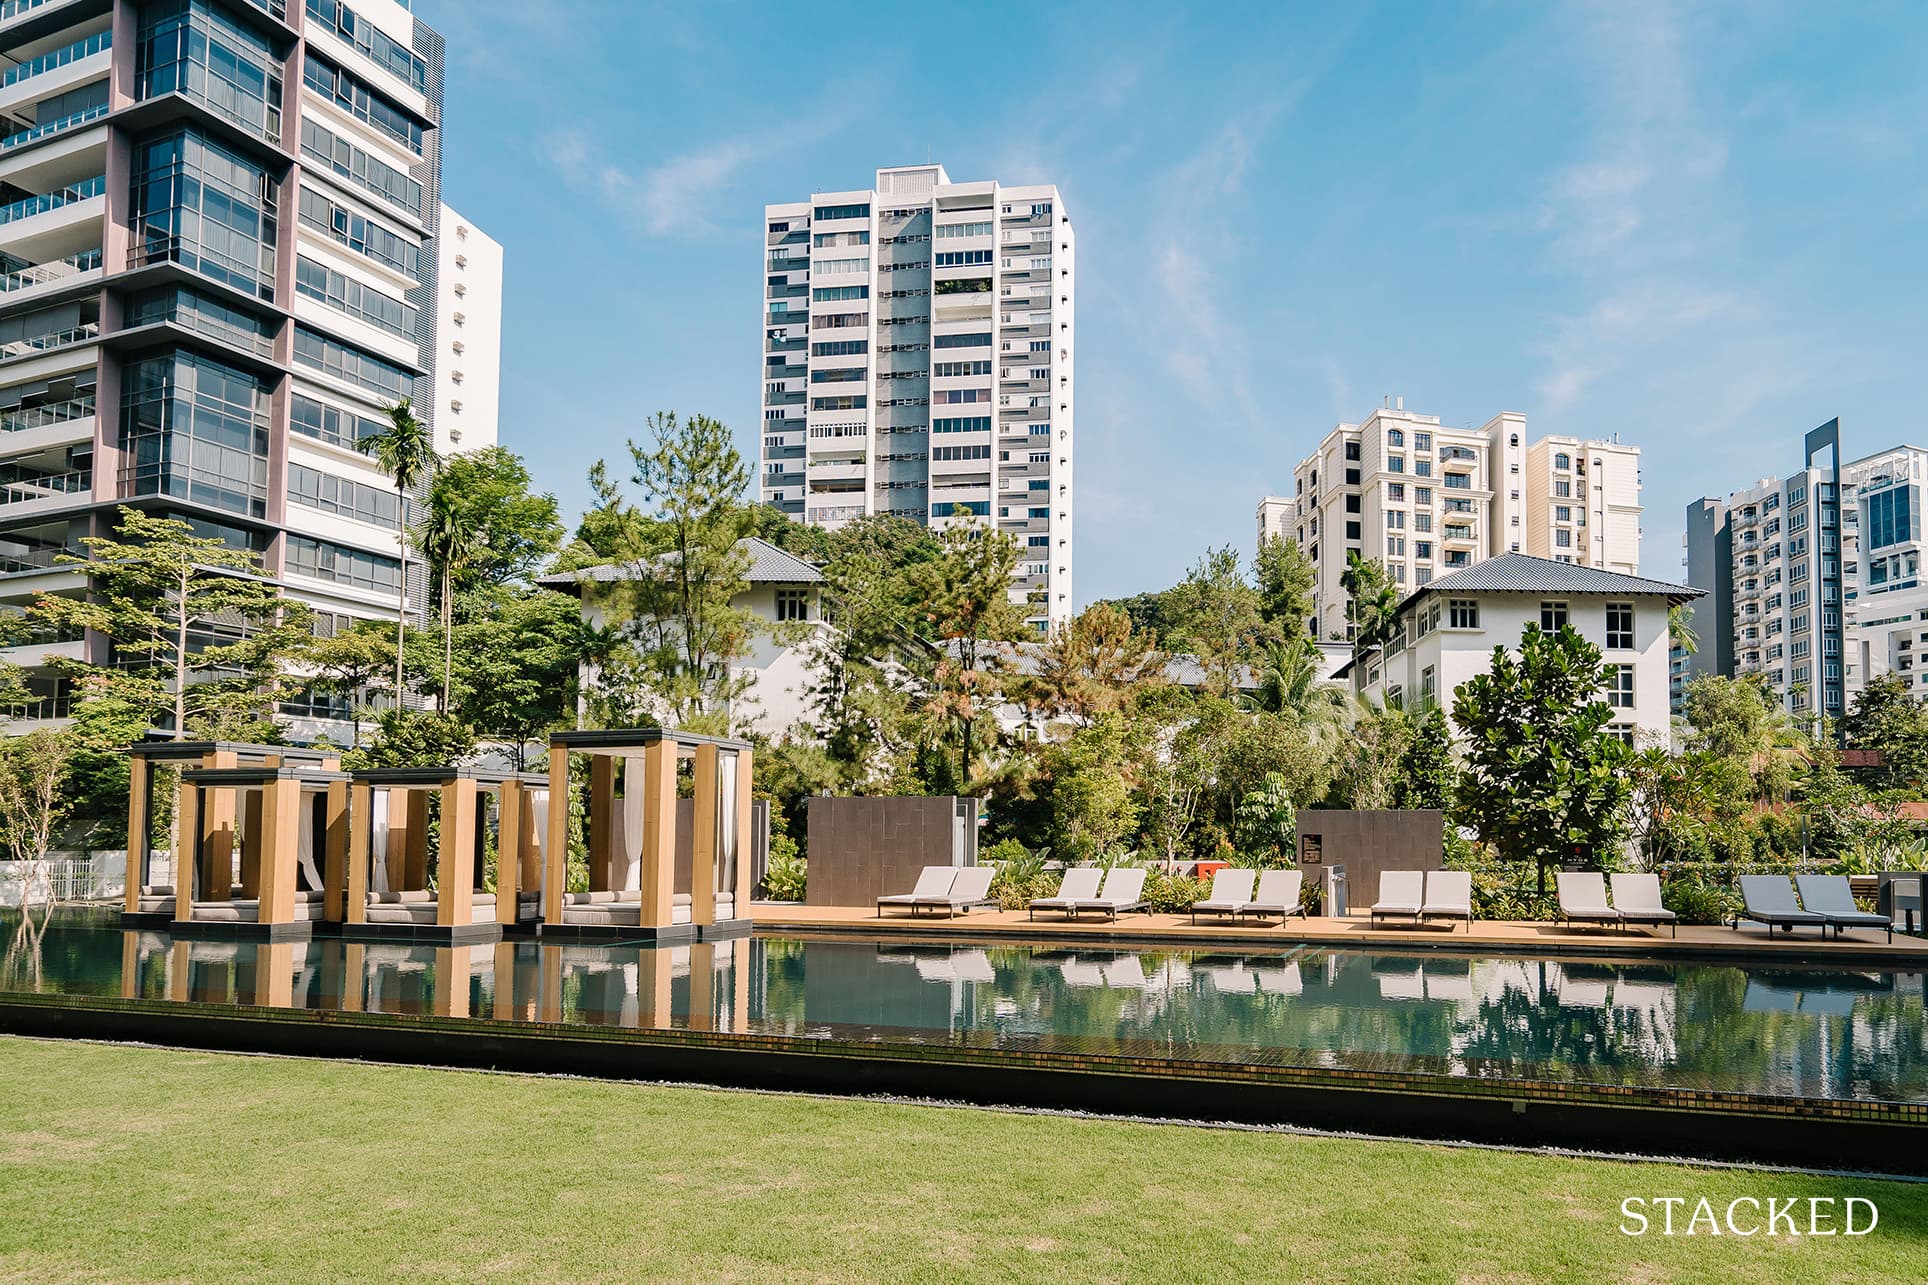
1352,530
1459,481
1352,450
369,172
206,209
323,491
1395,438
1352,504
1395,464
385,379
946,231
1553,616
1564,490
1422,521
843,211
1423,549
1427,684
1352,477
1620,687
360,100
839,294
195,430
363,235
793,604
976,339
1620,626
187,48
345,294
1422,495
1462,613
1561,512
1422,441
1422,468
1395,546
1396,520
1396,491
1562,461
378,46
1563,539
324,561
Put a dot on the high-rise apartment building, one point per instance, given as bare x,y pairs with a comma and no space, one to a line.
468,371
218,265
917,359
1426,499
1783,557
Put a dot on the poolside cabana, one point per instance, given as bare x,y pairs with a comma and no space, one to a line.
253,843
150,904
400,885
660,868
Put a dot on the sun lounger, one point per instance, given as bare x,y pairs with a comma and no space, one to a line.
1124,890
1830,897
1278,894
1583,898
1082,972
1284,979
1401,894
1769,900
971,890
1637,898
1231,889
1127,972
932,881
1449,895
1080,883
1399,978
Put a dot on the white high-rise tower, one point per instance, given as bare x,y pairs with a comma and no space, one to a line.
917,357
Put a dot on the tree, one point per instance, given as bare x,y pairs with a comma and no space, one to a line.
449,542
1741,726
1267,823
1372,760
1215,615
33,797
1288,682
517,657
413,738
1094,665
1887,719
684,569
1427,771
1286,578
1544,778
406,452
1091,791
1372,601
202,634
1680,629
350,664
966,592
487,492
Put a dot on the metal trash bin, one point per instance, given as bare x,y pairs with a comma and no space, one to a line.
1335,892
1900,897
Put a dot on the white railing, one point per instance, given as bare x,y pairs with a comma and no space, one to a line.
97,876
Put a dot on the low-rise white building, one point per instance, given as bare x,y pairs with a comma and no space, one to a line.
785,593
1449,628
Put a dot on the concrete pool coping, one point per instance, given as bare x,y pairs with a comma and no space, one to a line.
1714,1124
1751,944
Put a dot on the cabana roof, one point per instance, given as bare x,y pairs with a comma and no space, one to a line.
259,775
444,775
167,751
622,738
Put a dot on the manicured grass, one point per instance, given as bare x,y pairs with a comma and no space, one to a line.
138,1164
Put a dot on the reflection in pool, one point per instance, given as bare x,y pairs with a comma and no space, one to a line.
1767,1029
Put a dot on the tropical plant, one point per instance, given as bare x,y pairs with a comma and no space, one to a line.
1545,780
405,450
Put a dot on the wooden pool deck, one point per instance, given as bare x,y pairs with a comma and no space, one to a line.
1752,941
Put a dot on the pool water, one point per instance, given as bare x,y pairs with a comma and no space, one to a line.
1766,1029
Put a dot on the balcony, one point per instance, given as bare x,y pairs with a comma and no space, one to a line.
49,490
47,202
54,59
22,419
16,276
46,129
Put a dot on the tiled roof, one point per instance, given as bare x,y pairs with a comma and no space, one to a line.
1519,573
768,565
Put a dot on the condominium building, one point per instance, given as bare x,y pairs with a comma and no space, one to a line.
917,356
1427,499
1783,557
1446,631
468,371
218,267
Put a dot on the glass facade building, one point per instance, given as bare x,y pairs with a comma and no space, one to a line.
191,361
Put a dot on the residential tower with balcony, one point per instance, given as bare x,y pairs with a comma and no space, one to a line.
917,360
218,268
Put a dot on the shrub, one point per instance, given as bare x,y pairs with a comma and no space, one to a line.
788,875
1021,875
1501,890
1171,894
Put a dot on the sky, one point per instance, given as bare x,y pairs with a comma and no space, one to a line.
1703,229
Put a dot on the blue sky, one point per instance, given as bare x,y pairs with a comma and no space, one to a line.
1703,229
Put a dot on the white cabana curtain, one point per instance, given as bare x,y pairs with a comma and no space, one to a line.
378,842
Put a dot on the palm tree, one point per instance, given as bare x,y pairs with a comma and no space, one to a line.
1680,632
406,451
1288,682
450,541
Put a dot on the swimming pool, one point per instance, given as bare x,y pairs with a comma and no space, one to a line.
1775,1031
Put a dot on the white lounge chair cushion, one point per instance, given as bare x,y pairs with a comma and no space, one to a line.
1278,891
1773,895
1638,896
932,882
1583,895
1448,892
1401,892
1080,883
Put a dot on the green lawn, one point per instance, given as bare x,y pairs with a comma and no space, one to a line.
130,1164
